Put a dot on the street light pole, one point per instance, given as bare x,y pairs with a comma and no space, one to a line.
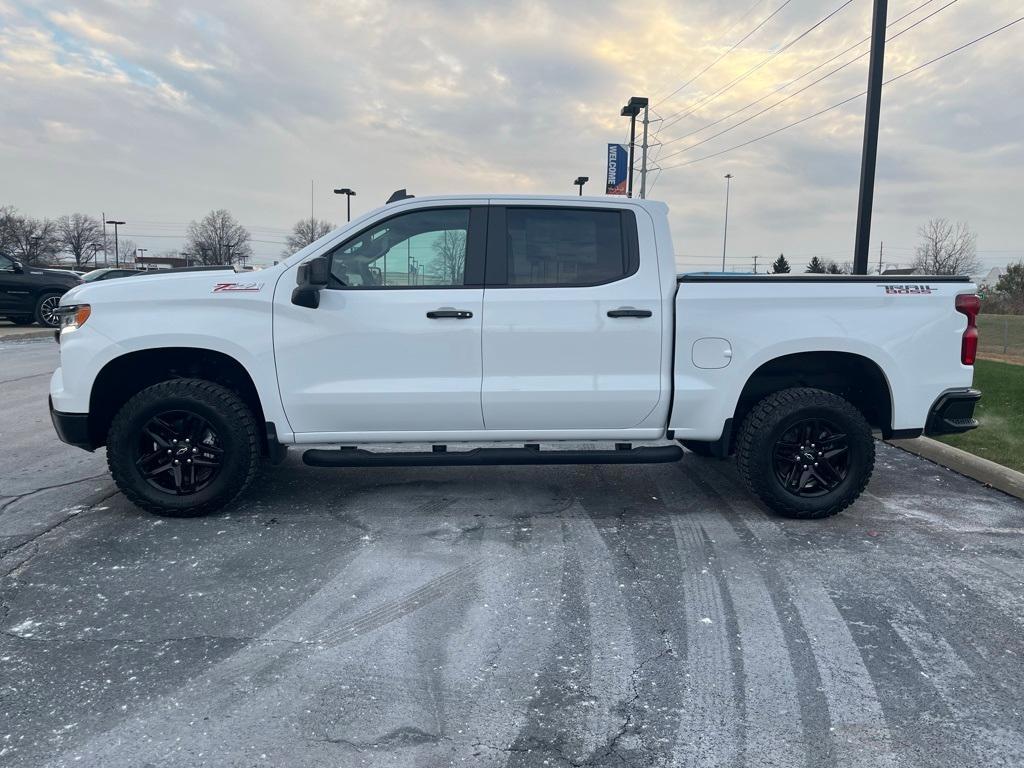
630,111
580,181
725,232
115,223
348,200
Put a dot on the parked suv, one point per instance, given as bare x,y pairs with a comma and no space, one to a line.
32,294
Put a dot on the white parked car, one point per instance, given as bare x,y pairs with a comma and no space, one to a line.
515,319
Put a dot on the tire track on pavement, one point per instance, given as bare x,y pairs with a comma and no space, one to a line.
636,530
767,696
286,663
858,725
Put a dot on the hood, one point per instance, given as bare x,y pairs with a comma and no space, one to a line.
165,286
71,277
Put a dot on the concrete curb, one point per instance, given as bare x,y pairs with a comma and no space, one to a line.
17,334
984,471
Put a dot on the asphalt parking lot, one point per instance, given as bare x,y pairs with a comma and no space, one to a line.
559,616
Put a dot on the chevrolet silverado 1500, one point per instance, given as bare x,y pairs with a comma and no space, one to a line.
513,320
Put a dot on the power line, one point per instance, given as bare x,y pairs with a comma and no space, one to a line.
656,98
851,98
801,90
727,52
811,71
675,118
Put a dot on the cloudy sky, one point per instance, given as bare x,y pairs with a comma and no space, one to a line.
157,112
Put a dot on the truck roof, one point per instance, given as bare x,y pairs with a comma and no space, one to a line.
657,205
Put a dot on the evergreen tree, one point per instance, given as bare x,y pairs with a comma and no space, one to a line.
780,266
816,265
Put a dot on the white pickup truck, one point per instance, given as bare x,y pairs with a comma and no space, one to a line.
515,320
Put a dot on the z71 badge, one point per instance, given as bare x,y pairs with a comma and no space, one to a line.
223,287
902,290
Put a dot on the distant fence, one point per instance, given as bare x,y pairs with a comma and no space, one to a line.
1001,335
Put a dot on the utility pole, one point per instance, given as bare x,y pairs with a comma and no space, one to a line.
725,233
755,263
881,245
643,155
115,223
870,151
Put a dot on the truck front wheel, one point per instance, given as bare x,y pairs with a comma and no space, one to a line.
183,448
806,453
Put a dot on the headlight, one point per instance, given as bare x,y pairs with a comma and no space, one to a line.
74,316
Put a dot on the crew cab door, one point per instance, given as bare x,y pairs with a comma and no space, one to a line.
394,345
572,331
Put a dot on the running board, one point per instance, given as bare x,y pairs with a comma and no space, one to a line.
441,457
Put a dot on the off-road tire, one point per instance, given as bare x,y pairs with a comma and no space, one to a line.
222,408
767,422
42,304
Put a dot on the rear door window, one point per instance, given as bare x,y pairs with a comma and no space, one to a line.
565,247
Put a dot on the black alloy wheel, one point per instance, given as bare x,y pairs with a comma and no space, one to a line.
179,453
811,458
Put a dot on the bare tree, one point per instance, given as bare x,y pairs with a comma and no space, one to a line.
8,223
304,232
33,241
947,248
126,250
80,235
218,239
450,265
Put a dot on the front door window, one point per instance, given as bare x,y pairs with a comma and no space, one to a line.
418,249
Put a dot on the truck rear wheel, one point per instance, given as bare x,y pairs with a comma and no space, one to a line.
183,448
806,453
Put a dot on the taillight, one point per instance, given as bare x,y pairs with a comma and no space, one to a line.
970,305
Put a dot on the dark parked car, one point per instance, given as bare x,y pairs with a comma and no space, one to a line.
32,294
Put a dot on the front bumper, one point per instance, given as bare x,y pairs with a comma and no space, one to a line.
953,412
72,428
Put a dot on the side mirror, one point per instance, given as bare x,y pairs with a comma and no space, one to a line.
311,277
18,267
